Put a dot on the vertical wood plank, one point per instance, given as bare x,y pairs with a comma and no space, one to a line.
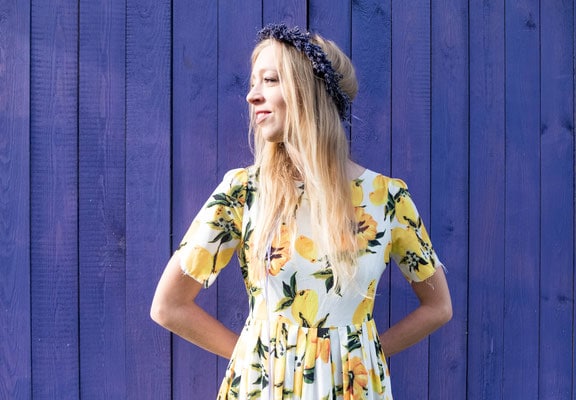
15,351
487,201
54,236
411,162
292,12
371,110
102,199
449,189
237,27
333,20
522,253
556,200
148,116
195,140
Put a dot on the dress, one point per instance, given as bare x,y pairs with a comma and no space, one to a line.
319,341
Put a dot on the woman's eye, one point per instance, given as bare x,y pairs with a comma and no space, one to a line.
270,80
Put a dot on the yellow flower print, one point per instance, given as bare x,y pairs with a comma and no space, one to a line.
380,194
306,248
366,229
376,383
356,380
279,251
366,306
357,192
323,349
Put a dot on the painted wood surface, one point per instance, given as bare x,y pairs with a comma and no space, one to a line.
54,199
410,155
118,118
102,200
486,194
15,351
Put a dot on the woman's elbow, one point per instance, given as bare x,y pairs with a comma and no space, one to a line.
158,313
444,314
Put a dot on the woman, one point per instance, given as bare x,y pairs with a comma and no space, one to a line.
313,231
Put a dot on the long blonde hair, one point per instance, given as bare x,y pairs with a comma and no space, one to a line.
315,151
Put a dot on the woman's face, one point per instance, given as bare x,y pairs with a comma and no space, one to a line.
265,96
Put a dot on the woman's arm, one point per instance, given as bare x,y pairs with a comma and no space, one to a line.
175,309
434,311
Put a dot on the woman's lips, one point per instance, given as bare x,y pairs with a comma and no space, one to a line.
261,116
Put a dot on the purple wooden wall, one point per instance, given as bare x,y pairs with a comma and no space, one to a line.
118,117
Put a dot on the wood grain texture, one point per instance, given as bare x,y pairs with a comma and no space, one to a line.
522,219
238,24
332,19
15,348
449,189
556,199
54,200
411,162
291,12
148,52
102,205
194,165
487,201
371,110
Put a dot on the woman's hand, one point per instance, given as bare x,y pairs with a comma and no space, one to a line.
174,308
434,311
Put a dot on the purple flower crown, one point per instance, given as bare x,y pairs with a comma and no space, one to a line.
321,65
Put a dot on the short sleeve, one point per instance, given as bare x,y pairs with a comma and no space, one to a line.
216,231
411,246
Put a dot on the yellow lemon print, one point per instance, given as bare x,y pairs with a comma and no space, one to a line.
357,192
200,263
305,307
380,194
366,305
405,210
306,248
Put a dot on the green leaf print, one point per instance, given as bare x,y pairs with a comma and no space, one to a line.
353,341
328,276
261,349
289,293
309,375
255,394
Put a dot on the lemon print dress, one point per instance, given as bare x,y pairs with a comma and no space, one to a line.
304,338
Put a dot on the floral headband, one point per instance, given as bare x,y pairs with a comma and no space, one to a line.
321,65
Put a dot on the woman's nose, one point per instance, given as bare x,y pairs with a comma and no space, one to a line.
254,96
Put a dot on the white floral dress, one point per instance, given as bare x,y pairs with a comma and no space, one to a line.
304,338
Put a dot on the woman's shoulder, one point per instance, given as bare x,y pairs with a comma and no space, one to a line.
239,176
380,180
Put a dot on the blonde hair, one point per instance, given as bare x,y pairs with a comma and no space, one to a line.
315,151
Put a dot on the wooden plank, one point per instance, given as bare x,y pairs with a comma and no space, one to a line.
148,52
486,194
15,351
291,12
102,199
556,200
53,170
371,110
333,20
522,220
449,189
194,172
411,162
237,27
